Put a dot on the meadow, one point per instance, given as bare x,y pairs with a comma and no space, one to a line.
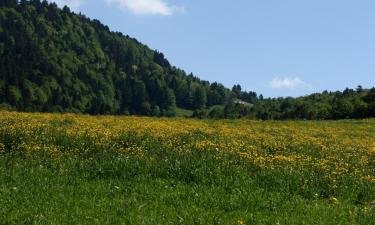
79,169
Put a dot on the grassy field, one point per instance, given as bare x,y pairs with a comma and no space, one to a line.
180,112
70,169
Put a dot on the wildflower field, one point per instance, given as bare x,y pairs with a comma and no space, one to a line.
77,169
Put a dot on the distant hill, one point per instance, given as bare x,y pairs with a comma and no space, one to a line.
348,104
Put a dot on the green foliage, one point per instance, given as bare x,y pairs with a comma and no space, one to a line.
327,105
180,112
216,112
6,107
359,103
55,60
200,113
199,97
8,3
14,95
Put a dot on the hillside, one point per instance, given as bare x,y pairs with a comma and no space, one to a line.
55,60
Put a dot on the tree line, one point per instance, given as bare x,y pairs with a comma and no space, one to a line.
348,104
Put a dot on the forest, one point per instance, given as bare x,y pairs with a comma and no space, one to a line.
54,60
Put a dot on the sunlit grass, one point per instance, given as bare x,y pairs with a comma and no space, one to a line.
71,169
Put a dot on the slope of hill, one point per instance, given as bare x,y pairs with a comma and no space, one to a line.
55,60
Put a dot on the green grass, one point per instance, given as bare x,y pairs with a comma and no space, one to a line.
180,112
165,186
120,189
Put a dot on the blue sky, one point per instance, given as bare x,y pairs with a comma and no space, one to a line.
274,47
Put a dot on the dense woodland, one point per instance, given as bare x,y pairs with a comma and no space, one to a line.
349,104
54,60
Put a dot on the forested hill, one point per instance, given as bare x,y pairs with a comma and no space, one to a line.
55,60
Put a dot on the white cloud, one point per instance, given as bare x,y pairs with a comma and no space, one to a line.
289,83
72,4
144,7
